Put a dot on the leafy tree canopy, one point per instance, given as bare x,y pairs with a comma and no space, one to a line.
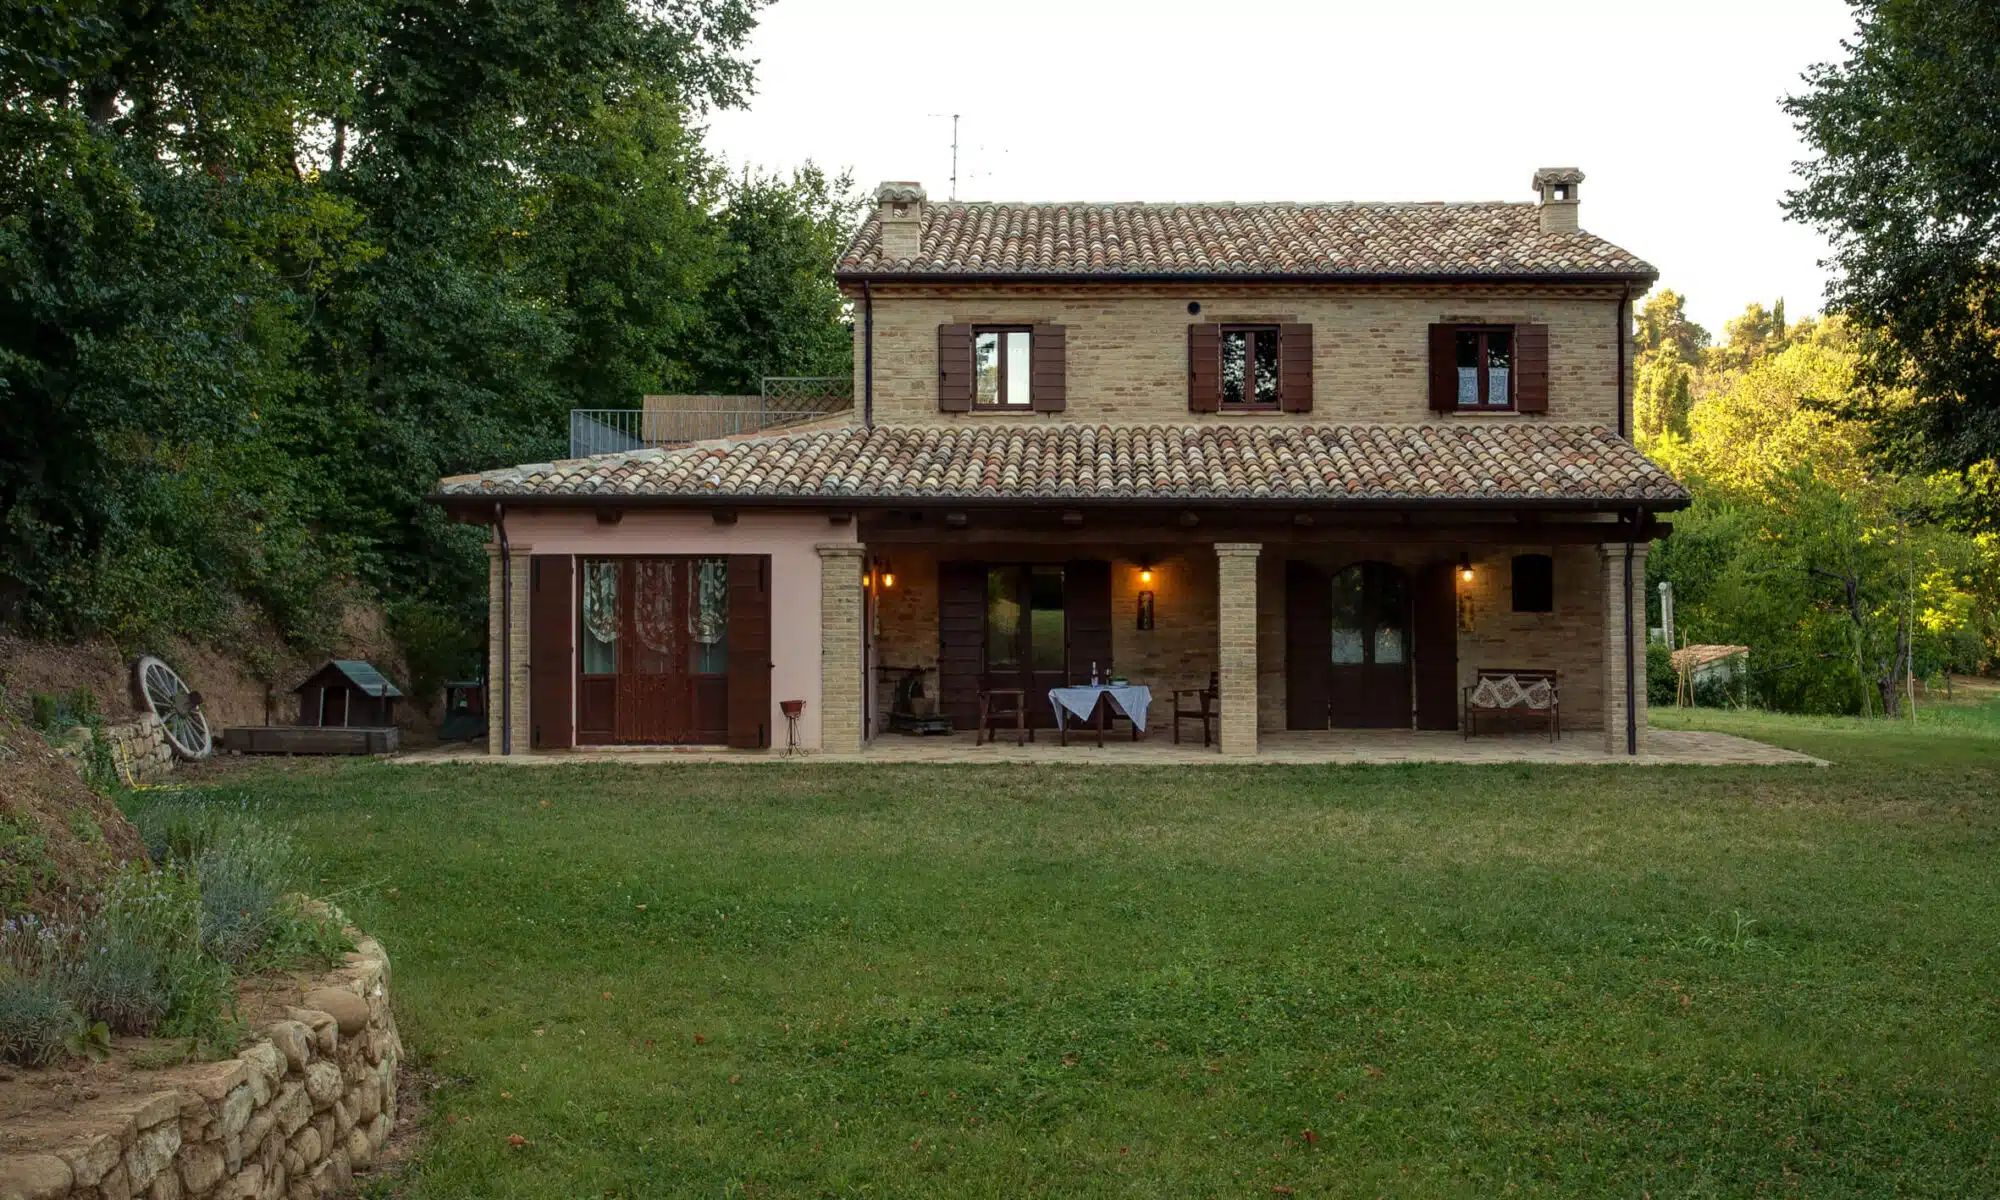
268,268
1905,181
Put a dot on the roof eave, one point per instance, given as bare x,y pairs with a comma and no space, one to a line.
1648,276
477,507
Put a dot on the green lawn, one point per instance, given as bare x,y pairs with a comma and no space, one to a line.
1006,981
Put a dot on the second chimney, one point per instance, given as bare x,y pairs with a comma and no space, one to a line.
900,205
1556,189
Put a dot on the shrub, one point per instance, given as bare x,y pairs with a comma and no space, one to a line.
121,982
36,1020
55,714
1661,682
157,914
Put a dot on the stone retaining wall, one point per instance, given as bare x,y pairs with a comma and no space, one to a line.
139,749
291,1117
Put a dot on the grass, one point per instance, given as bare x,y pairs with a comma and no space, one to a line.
1021,980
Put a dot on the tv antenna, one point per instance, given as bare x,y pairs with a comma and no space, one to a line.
954,150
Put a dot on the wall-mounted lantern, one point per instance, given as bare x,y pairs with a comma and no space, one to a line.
1464,568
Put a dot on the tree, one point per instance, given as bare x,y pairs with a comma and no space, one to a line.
1905,182
1662,321
1663,395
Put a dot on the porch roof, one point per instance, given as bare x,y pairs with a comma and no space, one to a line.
1510,462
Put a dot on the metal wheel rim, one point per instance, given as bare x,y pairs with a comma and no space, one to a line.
176,707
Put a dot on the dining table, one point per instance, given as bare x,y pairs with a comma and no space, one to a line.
1094,700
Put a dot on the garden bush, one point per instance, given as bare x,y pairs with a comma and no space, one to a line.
36,1020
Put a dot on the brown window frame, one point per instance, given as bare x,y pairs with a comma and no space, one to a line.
1252,332
1513,369
1003,406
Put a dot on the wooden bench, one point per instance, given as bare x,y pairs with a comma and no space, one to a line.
1526,678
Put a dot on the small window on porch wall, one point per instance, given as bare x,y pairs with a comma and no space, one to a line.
1534,583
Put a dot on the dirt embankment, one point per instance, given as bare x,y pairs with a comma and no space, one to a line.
245,674
58,838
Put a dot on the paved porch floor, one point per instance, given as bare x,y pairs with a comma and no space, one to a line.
1668,746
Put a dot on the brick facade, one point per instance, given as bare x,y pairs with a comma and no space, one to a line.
1127,346
841,664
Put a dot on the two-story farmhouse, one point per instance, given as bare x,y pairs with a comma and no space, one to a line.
1337,459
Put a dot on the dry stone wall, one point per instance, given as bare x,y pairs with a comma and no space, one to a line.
289,1118
139,749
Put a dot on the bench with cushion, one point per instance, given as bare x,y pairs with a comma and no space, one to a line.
1513,691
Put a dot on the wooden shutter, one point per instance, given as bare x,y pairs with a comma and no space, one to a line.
749,651
955,368
1087,613
1444,368
1531,368
1308,646
1204,368
1047,391
961,640
1435,643
551,666
1295,368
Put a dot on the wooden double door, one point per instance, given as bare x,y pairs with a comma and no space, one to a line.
1369,646
1026,625
651,650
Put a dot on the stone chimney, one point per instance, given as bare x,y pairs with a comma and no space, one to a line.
900,204
1556,189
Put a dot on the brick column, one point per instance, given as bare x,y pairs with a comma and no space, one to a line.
517,687
1236,659
840,667
1615,678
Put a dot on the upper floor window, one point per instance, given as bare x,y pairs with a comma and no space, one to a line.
1478,368
1485,368
1249,366
1001,370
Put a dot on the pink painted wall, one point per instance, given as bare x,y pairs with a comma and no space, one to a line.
795,571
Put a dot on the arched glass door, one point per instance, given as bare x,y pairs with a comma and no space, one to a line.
1370,667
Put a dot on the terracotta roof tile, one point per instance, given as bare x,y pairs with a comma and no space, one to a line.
1241,240
1486,460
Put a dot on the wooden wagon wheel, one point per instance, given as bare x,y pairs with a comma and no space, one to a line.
177,706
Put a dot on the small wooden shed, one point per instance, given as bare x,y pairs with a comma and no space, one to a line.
347,692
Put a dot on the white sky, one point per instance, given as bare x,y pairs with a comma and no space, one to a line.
1671,109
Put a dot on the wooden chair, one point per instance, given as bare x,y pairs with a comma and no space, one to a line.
1013,705
1199,704
1525,676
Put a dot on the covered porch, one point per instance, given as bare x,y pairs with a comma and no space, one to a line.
1305,622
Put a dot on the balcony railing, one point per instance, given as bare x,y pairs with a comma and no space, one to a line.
672,420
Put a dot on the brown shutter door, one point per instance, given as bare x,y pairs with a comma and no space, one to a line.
1531,368
961,638
1444,368
1047,390
1436,645
551,667
1087,612
1204,368
1308,646
954,368
749,651
1295,368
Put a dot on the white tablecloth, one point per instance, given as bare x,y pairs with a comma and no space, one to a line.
1132,699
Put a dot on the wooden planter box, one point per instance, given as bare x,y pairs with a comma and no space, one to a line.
312,739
